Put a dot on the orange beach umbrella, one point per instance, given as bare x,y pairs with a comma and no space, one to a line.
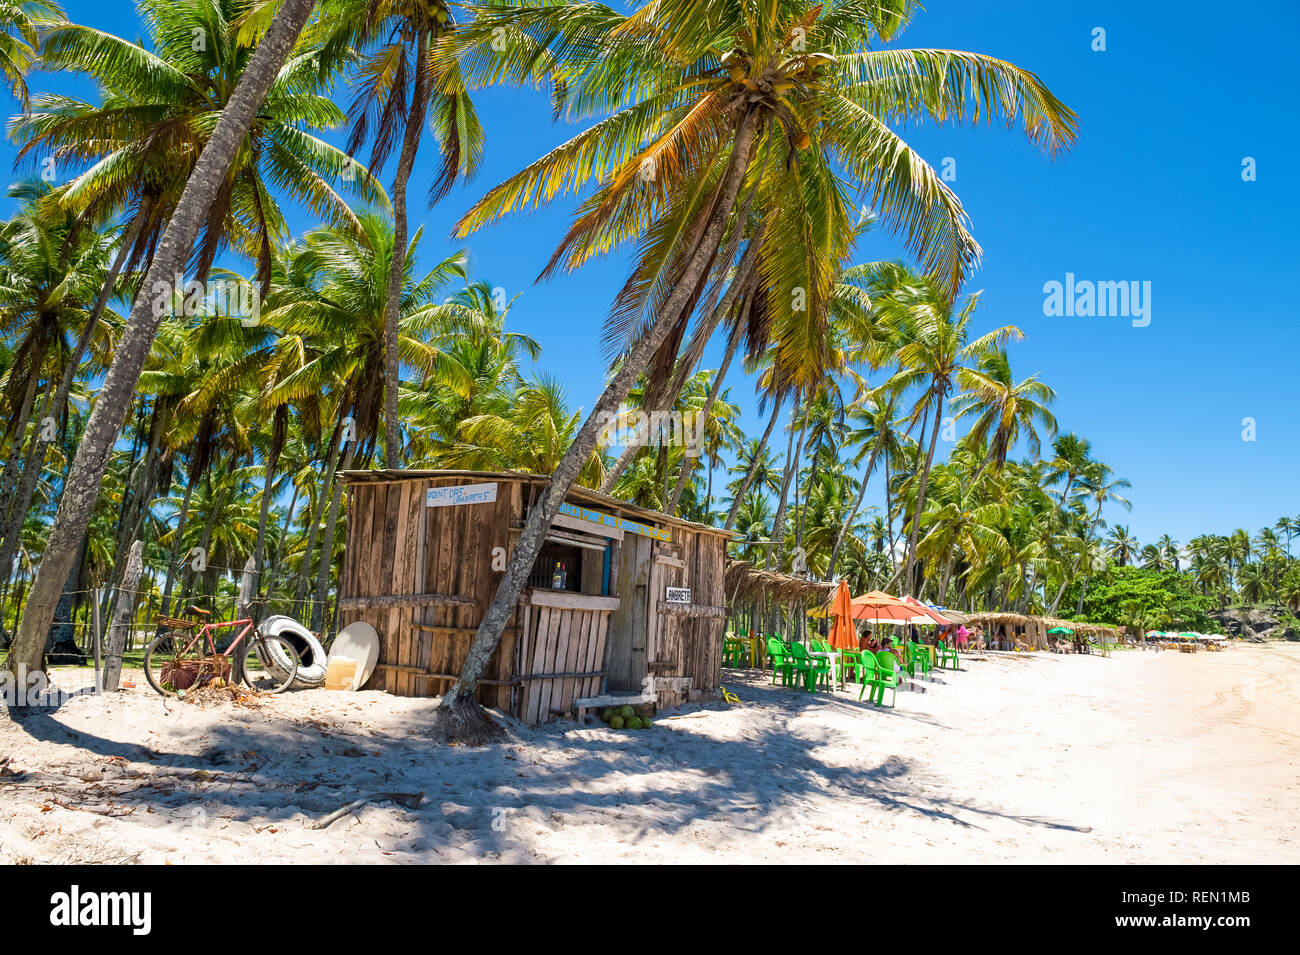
843,636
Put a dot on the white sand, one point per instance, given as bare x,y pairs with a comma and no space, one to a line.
1142,757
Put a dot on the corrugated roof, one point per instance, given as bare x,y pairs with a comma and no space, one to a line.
576,493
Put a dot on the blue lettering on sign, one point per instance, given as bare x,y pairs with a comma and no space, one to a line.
460,494
609,520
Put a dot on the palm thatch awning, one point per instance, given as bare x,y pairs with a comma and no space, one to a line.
744,581
989,617
1086,629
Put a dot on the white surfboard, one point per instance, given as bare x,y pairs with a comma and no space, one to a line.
358,641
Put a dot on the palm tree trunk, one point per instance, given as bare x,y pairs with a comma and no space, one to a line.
853,512
54,408
920,496
753,465
279,430
277,559
397,268
304,568
81,490
459,715
778,520
9,476
732,343
327,544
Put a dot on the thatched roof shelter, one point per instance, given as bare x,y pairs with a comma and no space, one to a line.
1086,629
987,618
744,581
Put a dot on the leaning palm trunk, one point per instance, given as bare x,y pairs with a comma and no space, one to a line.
753,466
459,715
9,476
397,268
81,490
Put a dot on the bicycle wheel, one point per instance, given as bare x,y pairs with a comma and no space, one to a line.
172,666
268,664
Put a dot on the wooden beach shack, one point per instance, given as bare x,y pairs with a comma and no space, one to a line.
621,599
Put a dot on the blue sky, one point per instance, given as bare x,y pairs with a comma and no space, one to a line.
1153,192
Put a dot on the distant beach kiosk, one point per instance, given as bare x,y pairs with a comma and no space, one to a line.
619,594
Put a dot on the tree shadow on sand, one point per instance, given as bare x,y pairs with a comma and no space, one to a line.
493,802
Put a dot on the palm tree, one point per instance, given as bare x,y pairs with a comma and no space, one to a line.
1122,547
81,489
21,23
702,99
50,272
1169,547
1004,410
935,355
877,439
397,88
143,140
341,306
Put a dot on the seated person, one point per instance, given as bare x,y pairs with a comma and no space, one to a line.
887,644
868,642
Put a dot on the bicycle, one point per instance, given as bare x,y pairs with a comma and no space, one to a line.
177,661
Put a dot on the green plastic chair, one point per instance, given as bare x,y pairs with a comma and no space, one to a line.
850,665
735,652
813,669
920,659
886,677
779,657
947,657
867,675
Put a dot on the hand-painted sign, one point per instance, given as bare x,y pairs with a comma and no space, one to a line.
609,520
678,595
460,494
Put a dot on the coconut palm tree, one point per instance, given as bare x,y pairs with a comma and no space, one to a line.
341,307
877,437
81,489
1121,546
399,90
936,354
1004,410
700,101
21,23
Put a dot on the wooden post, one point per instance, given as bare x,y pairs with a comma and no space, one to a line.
122,616
94,636
247,589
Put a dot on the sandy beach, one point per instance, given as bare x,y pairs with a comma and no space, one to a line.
1142,757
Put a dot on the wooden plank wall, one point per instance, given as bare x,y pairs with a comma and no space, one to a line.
398,546
630,623
560,641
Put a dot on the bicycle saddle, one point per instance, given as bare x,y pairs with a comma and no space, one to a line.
200,611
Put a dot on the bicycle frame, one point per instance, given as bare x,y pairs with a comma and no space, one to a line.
207,629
